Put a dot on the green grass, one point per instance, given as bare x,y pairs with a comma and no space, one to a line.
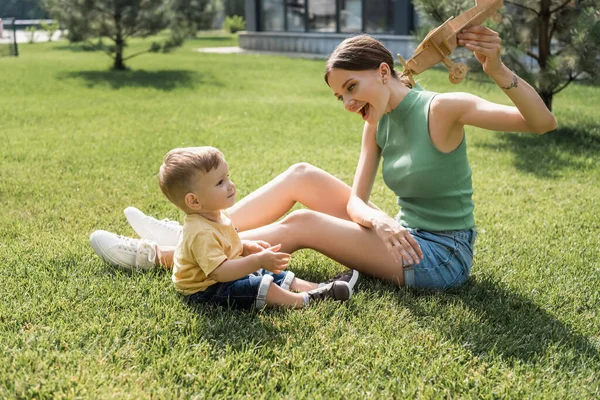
80,143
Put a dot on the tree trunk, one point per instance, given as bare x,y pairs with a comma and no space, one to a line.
544,39
119,65
547,98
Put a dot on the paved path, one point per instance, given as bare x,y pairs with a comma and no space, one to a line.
239,50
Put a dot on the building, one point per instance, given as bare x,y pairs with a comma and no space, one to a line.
318,26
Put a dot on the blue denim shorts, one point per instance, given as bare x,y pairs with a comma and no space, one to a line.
245,293
447,259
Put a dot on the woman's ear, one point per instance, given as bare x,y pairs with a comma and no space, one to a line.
192,202
384,72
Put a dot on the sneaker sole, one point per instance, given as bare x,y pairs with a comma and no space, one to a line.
354,279
345,284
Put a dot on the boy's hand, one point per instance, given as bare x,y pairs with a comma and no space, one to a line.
253,247
272,260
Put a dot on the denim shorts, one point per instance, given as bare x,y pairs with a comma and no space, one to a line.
245,293
447,259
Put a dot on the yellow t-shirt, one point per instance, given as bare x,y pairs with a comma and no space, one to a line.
203,246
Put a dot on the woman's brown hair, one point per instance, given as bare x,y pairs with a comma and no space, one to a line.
362,53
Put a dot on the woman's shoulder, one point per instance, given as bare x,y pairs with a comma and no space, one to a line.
452,103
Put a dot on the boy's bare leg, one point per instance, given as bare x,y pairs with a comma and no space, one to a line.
304,183
277,296
300,285
164,256
344,241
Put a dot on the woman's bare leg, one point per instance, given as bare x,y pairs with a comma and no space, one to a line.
344,241
304,183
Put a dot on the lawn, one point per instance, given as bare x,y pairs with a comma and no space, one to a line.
80,143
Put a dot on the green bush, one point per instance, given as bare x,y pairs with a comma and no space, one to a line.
49,28
31,33
234,24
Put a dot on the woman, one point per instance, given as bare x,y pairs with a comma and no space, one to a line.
420,137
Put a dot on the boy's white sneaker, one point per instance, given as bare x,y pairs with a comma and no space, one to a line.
124,252
165,232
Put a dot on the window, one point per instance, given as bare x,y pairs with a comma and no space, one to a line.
379,16
351,15
271,15
296,15
321,15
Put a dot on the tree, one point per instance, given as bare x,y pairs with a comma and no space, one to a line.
193,15
549,43
117,20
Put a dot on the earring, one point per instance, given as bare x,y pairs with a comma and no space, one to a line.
384,81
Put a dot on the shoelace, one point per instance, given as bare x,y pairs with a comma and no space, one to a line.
129,242
166,221
322,292
338,276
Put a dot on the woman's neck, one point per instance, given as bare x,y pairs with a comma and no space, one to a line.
398,92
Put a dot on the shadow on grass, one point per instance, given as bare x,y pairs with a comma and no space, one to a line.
166,80
567,148
79,48
498,322
234,328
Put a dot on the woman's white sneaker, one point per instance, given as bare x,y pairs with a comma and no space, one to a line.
124,252
165,232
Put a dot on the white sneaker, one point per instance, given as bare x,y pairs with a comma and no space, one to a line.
124,252
165,232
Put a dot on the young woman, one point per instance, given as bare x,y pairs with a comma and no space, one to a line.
420,137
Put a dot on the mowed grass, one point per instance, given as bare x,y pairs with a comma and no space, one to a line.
79,143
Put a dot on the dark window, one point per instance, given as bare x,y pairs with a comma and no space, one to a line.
379,16
271,15
296,15
351,15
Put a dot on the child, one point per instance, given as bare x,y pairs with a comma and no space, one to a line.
211,264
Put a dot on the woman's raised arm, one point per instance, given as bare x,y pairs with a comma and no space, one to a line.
530,114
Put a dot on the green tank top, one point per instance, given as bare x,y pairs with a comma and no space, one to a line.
434,189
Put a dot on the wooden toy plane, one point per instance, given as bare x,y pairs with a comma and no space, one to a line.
441,41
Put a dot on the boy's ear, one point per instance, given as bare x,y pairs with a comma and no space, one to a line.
192,202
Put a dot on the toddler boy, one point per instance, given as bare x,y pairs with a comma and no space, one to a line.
211,263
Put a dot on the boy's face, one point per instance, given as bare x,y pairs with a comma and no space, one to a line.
215,190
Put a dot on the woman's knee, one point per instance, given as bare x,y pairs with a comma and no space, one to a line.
300,217
302,170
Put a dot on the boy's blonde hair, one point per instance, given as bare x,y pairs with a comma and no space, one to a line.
181,169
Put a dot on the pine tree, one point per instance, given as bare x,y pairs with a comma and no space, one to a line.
549,43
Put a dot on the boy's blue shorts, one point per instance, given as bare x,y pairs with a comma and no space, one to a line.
245,293
447,259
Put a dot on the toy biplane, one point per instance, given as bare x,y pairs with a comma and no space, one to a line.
441,41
